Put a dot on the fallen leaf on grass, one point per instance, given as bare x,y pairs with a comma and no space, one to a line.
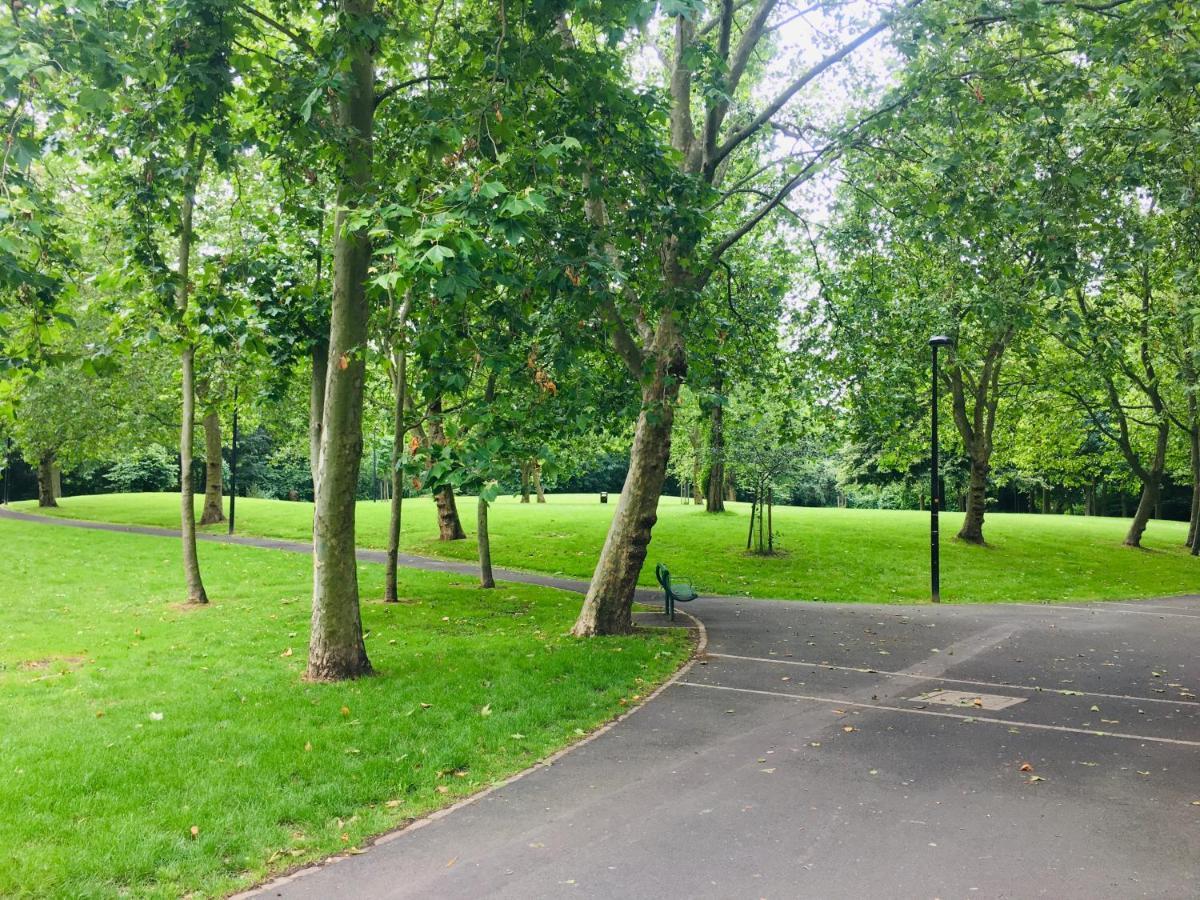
442,789
487,710
392,804
345,710
195,829
156,717
287,652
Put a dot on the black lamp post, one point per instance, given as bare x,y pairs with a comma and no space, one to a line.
935,487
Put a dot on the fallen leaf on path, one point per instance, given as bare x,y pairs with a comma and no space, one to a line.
848,728
452,861
1095,709
767,771
1034,778
1026,767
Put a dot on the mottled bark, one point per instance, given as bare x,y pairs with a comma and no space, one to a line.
449,525
485,546
213,510
537,481
715,487
316,405
972,527
45,479
336,648
607,608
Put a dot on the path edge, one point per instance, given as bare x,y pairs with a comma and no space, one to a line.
698,652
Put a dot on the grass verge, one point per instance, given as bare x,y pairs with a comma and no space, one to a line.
156,750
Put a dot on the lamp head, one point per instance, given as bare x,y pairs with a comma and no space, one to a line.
941,340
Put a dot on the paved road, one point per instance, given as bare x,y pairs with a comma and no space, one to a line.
795,760
802,757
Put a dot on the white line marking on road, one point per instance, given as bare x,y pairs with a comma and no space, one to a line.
917,676
1050,607
1011,723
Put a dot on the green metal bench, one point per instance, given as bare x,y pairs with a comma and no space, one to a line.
677,592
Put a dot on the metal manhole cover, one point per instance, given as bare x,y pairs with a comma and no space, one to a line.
968,700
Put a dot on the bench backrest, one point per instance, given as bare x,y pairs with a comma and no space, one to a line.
663,574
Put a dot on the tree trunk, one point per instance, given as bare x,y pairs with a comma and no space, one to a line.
187,421
45,479
1045,501
762,497
750,533
1151,488
336,650
56,481
1194,518
537,481
770,527
608,606
972,527
714,494
525,481
316,406
1143,513
485,547
449,525
213,487
399,372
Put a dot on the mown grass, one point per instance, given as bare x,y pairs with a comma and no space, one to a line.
826,554
127,721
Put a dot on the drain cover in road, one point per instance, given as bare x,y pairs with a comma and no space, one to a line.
968,700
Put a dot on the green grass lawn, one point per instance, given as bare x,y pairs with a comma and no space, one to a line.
127,721
827,554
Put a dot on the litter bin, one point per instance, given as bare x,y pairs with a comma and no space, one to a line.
604,496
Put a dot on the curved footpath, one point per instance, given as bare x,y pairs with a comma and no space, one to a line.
806,753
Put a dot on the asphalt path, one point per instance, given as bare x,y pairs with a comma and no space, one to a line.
808,753
802,757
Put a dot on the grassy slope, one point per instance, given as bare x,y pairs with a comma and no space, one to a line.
98,795
829,554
